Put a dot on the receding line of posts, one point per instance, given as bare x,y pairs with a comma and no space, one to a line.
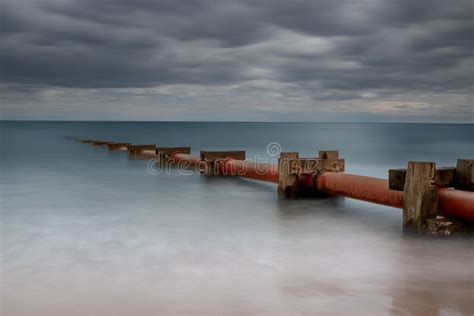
437,201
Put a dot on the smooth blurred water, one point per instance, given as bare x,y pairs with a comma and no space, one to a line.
88,232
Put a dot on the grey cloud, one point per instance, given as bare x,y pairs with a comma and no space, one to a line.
326,50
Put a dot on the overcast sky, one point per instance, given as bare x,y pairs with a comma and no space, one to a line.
285,60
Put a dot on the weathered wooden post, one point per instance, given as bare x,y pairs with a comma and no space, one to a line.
87,141
328,154
420,185
330,161
420,199
464,176
291,167
288,175
165,152
100,143
396,179
444,178
136,149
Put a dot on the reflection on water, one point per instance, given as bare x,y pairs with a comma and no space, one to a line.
85,231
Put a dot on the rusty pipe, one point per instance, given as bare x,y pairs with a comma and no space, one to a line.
188,161
455,203
249,169
363,188
451,202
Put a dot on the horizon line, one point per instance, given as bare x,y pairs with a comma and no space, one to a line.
203,121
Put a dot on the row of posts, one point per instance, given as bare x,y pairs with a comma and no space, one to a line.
418,182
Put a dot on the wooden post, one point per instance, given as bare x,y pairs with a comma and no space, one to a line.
420,199
396,179
331,161
291,166
287,177
115,146
135,149
87,141
100,143
444,178
214,155
329,154
464,177
165,152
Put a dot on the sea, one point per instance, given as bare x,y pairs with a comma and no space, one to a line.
86,231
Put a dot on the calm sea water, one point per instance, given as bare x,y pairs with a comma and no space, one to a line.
89,232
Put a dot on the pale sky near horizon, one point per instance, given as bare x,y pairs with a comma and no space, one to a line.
240,60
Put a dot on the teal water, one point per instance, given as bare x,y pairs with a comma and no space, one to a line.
89,232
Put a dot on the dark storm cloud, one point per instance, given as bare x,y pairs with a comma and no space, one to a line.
327,49
117,44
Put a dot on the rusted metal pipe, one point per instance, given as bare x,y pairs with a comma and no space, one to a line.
363,188
248,169
455,203
188,161
451,202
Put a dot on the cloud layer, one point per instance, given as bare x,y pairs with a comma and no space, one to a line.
368,60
